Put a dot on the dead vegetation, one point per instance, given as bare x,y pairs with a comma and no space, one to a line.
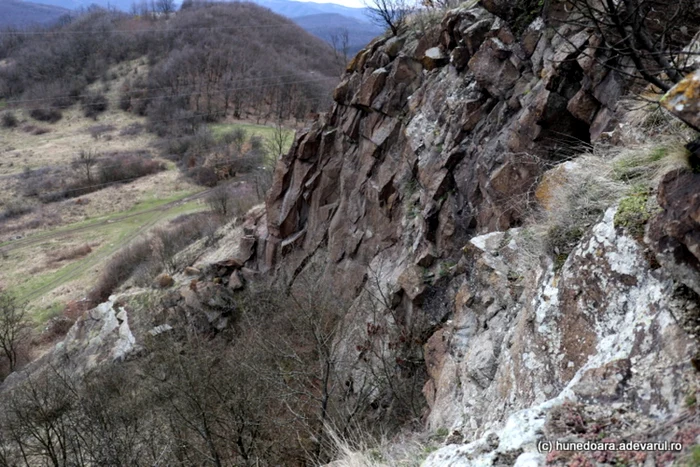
573,196
144,259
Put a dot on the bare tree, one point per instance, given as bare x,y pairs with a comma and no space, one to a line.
13,327
389,13
165,6
340,40
649,33
278,141
85,162
220,200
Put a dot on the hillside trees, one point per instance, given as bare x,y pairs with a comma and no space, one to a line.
277,71
390,13
165,6
648,33
53,67
14,328
263,68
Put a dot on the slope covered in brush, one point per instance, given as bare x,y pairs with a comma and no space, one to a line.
196,65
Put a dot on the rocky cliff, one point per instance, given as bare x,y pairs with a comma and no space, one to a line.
416,185
534,294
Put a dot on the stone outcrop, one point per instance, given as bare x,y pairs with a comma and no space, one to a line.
419,154
524,340
683,100
414,187
101,335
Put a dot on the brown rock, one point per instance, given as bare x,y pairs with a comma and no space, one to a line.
411,281
436,351
501,8
235,282
460,57
393,46
426,256
434,58
492,69
683,100
605,383
164,280
249,274
371,86
583,106
475,34
674,234
190,271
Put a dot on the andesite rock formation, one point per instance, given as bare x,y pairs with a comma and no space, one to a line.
416,185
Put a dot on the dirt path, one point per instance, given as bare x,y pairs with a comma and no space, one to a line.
43,237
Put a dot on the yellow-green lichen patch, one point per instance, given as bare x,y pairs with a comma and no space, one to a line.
633,213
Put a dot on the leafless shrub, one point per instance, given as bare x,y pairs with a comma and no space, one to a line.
70,253
220,200
146,258
93,104
15,208
14,328
119,269
96,131
9,119
49,115
132,129
35,130
128,166
390,13
650,34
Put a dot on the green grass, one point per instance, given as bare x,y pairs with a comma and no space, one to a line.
694,457
118,235
264,131
151,203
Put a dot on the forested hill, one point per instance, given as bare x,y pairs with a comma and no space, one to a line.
18,13
196,65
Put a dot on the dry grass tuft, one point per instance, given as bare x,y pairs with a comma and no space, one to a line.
363,450
573,196
70,253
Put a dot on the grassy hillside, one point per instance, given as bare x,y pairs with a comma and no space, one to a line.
17,13
97,114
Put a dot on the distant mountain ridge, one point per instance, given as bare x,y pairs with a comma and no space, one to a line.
293,9
325,25
320,19
18,13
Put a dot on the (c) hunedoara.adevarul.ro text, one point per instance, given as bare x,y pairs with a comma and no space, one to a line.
549,446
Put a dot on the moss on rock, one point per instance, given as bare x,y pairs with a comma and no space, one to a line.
633,213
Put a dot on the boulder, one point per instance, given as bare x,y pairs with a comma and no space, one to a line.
674,233
235,282
683,100
411,282
492,68
190,271
434,57
164,280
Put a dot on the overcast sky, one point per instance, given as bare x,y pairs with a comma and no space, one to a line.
350,3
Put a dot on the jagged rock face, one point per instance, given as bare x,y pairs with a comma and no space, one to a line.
101,335
674,233
419,154
435,140
600,330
